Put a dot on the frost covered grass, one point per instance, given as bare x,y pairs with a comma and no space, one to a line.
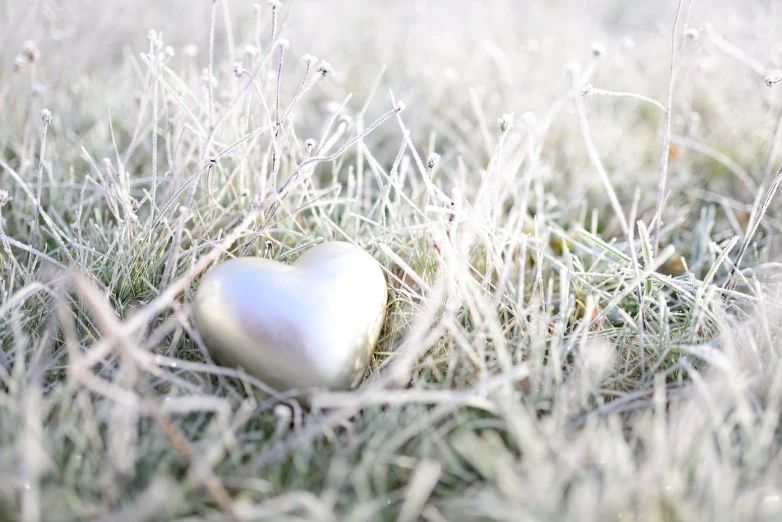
573,204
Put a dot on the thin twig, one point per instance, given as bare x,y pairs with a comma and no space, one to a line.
666,147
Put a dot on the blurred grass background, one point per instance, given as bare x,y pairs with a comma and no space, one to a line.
539,361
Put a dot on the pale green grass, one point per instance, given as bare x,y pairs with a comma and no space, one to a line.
567,336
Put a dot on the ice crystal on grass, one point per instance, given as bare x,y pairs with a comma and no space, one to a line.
583,300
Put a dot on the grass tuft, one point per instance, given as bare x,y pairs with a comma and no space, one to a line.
583,317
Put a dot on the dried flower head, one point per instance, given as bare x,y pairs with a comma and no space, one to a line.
309,59
309,143
598,49
5,197
587,90
238,69
283,43
155,41
529,119
432,160
324,68
274,4
19,63
773,78
504,123
346,120
400,106
46,116
207,78
691,33
30,51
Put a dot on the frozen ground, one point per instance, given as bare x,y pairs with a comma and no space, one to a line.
567,338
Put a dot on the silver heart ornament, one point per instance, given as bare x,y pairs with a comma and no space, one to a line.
313,323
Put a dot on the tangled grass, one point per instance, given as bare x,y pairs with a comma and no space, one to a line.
574,209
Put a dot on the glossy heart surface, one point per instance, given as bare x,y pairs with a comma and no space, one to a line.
314,323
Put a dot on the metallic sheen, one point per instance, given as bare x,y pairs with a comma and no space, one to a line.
314,323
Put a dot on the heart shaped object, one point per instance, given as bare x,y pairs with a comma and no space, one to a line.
314,323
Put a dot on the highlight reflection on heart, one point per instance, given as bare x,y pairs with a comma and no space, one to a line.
310,324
